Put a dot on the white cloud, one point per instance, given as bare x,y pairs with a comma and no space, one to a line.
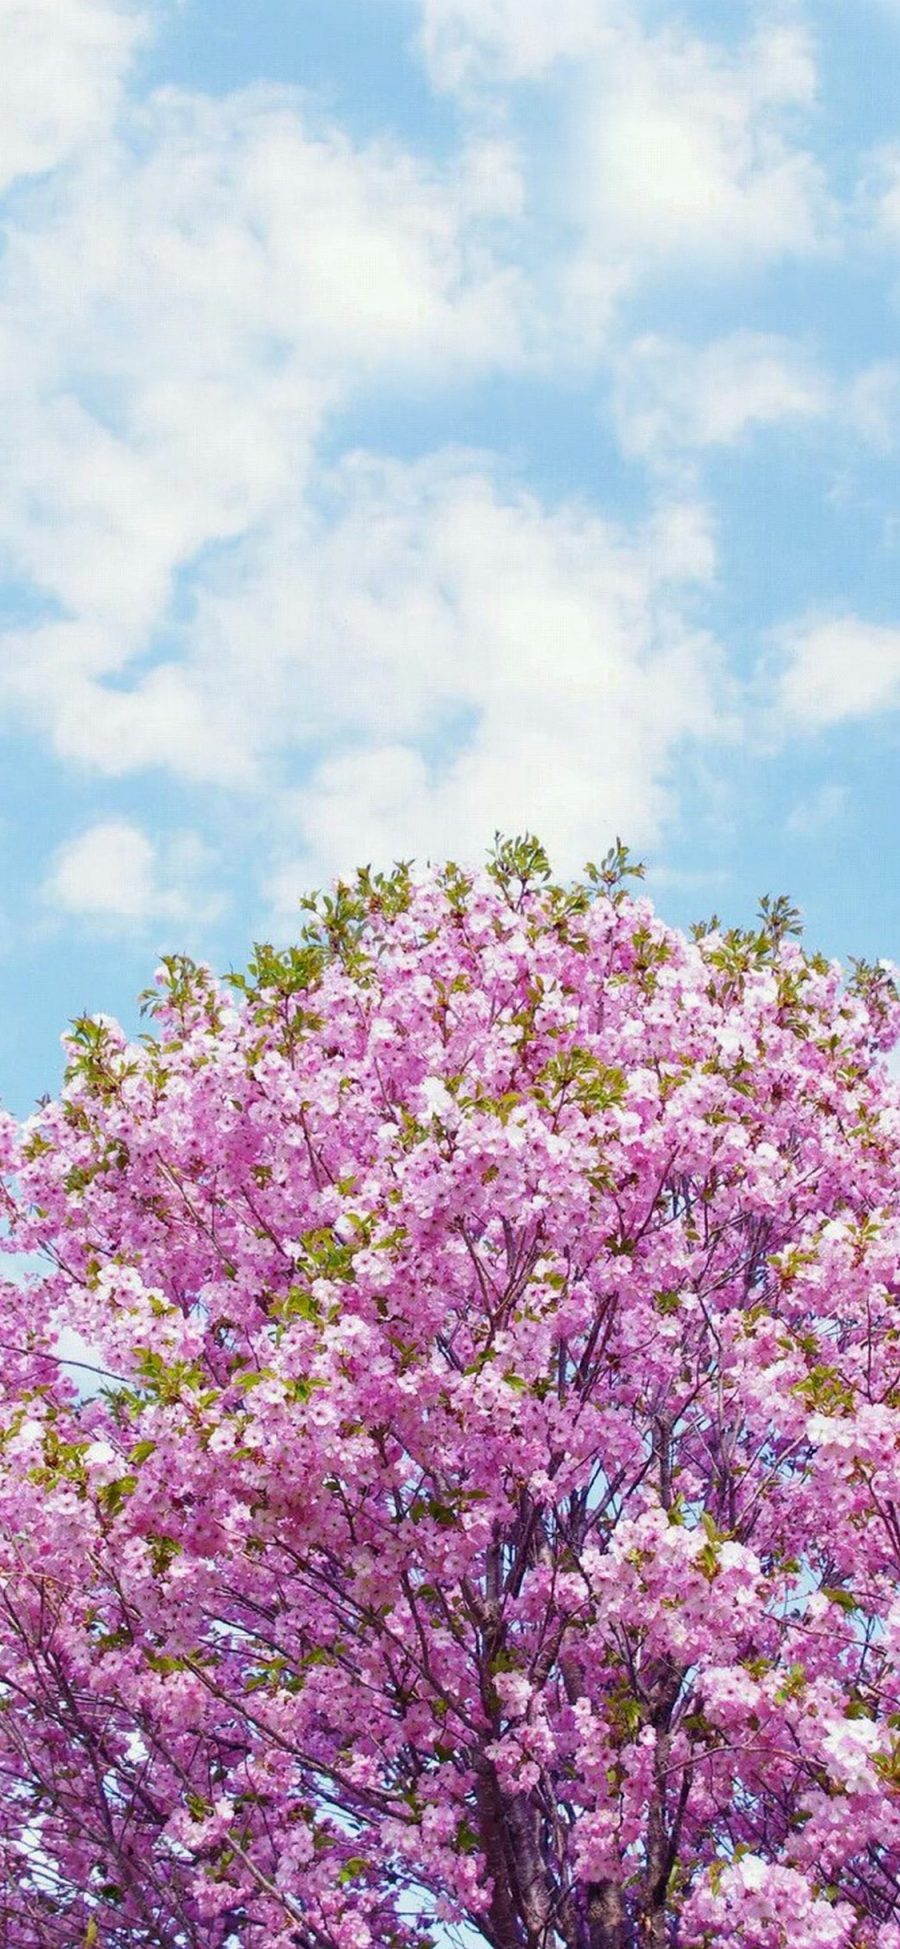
682,543
671,145
210,279
878,219
671,398
684,149
112,873
872,404
185,309
440,655
466,41
175,324
244,225
881,191
62,63
454,659
670,395
837,669
823,809
164,718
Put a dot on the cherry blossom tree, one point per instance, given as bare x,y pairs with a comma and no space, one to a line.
487,1514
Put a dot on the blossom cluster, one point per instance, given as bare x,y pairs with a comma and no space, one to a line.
487,1509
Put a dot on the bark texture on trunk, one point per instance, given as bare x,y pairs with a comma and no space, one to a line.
655,1931
606,1916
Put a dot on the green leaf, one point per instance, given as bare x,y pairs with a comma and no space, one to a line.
466,1839
141,1452
254,1378
843,1598
353,1868
113,1494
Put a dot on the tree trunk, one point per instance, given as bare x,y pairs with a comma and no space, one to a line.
606,1916
653,1921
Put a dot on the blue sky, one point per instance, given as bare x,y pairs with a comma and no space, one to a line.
419,417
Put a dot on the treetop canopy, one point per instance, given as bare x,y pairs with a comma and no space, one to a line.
488,1511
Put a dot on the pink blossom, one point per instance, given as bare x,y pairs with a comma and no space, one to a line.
488,1512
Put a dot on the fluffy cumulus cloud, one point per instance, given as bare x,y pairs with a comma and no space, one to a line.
456,659
433,649
444,657
678,396
112,874
465,42
673,144
838,668
175,323
397,647
685,148
62,63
